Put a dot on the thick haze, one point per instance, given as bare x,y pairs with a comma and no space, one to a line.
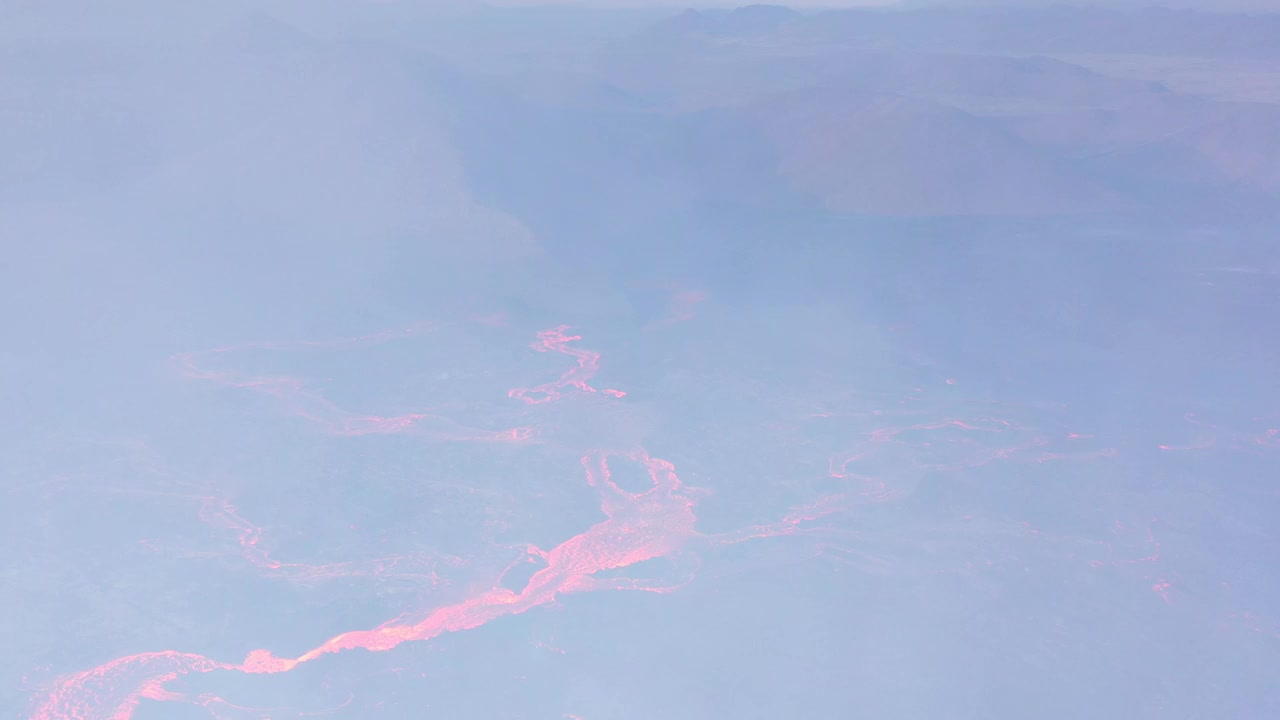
376,360
1203,5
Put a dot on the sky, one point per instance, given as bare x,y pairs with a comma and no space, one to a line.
1204,5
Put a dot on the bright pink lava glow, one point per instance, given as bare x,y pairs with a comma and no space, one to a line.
554,340
637,526
305,403
420,568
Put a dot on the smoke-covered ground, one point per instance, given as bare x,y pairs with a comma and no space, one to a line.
367,362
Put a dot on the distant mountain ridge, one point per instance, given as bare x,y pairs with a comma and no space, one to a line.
966,111
986,29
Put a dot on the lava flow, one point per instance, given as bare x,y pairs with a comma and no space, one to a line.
637,526
310,405
554,340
